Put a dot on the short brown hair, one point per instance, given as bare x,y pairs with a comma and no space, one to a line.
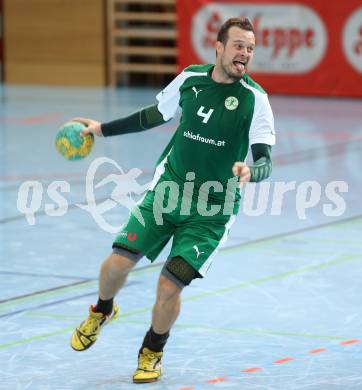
243,23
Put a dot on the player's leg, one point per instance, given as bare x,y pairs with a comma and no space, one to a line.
194,245
134,240
113,275
176,274
167,306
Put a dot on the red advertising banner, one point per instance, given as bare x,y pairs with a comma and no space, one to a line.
307,47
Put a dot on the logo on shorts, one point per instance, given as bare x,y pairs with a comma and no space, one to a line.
231,103
131,236
198,253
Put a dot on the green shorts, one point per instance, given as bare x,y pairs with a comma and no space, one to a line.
196,237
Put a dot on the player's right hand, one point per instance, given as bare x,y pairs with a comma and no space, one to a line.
242,170
93,126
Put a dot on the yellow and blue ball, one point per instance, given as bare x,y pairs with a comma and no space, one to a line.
70,144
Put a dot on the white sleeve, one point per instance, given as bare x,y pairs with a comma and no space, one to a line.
262,125
169,97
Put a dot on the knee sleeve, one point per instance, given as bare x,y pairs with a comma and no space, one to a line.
179,271
122,250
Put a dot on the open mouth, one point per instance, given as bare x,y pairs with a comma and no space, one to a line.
240,65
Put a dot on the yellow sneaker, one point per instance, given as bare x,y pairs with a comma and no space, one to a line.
149,366
85,335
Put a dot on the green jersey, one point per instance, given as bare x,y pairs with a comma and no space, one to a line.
218,124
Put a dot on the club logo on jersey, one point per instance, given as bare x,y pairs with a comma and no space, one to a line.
231,103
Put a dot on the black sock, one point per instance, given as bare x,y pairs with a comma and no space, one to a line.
104,307
154,341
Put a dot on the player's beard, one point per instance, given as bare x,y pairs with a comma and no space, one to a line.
229,70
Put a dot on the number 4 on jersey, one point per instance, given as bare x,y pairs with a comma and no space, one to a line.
205,115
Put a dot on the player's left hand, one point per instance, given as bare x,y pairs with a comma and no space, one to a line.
93,126
242,170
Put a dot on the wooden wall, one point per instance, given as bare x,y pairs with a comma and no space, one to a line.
55,42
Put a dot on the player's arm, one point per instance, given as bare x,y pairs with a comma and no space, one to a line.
260,169
261,138
145,119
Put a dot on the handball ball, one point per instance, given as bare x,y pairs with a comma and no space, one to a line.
70,144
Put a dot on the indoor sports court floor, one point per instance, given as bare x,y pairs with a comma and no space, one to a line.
279,309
